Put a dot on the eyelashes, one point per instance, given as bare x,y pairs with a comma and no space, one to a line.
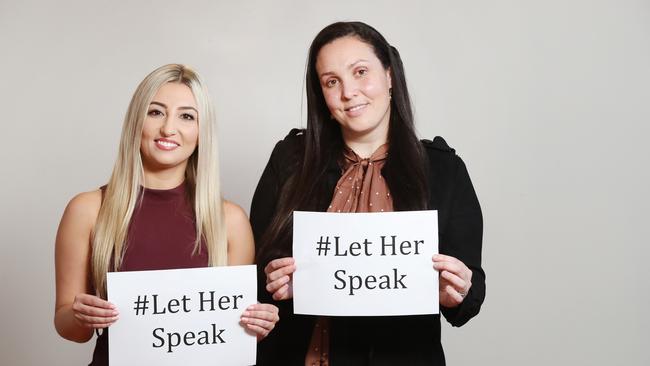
187,117
358,73
158,113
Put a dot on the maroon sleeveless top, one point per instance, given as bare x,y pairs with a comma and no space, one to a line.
161,236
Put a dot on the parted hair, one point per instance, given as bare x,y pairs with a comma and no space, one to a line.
404,170
124,189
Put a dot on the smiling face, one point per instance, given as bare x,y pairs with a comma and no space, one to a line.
356,87
170,131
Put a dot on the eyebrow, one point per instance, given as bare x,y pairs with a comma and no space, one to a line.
349,67
184,107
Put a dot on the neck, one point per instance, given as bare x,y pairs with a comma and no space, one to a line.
164,178
364,144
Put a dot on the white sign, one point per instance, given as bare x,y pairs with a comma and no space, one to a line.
182,316
365,263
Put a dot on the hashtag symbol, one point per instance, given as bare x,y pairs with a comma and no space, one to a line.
323,246
141,305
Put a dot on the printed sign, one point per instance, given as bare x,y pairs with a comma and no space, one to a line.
360,264
182,316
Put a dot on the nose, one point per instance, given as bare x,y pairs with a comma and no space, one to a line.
168,127
349,89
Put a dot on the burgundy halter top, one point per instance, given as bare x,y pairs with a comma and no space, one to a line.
161,236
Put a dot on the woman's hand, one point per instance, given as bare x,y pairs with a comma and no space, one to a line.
93,312
455,280
260,319
279,278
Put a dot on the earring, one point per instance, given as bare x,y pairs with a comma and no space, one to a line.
390,92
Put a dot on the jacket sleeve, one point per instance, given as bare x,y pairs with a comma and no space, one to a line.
263,208
462,239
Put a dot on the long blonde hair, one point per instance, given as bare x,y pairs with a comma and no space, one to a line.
123,190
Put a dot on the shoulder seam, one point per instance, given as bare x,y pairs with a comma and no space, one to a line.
438,143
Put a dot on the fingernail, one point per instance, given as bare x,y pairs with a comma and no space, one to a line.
244,319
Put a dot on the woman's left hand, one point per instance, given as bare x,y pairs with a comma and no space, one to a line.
260,319
455,280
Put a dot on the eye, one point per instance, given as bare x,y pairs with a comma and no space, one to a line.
187,117
154,113
331,82
362,72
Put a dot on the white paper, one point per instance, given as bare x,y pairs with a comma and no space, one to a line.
365,274
174,308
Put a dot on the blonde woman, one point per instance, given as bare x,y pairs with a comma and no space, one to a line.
161,209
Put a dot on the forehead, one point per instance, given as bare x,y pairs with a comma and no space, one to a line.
175,94
343,52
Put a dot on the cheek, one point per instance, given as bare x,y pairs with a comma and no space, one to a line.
374,88
194,136
331,99
148,127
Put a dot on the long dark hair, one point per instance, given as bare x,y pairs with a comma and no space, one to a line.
306,189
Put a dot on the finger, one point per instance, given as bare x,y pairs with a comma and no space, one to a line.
263,307
282,293
82,308
95,321
94,301
262,323
454,280
278,273
448,266
275,285
261,315
454,294
259,331
446,258
278,263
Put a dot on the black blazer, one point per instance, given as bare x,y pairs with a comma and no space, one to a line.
377,341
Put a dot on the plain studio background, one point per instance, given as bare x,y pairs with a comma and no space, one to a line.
547,102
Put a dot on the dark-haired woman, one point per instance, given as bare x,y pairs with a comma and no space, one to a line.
360,137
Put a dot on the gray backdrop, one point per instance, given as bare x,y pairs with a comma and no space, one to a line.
547,102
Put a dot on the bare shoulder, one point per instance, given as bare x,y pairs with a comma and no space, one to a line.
241,247
85,206
78,223
235,215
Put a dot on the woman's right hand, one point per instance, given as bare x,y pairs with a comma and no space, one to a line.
279,278
94,312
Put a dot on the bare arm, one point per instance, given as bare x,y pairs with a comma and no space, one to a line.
258,318
77,312
241,245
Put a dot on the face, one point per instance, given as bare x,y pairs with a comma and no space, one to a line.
356,88
170,132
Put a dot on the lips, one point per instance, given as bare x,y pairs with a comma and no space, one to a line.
166,144
356,110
